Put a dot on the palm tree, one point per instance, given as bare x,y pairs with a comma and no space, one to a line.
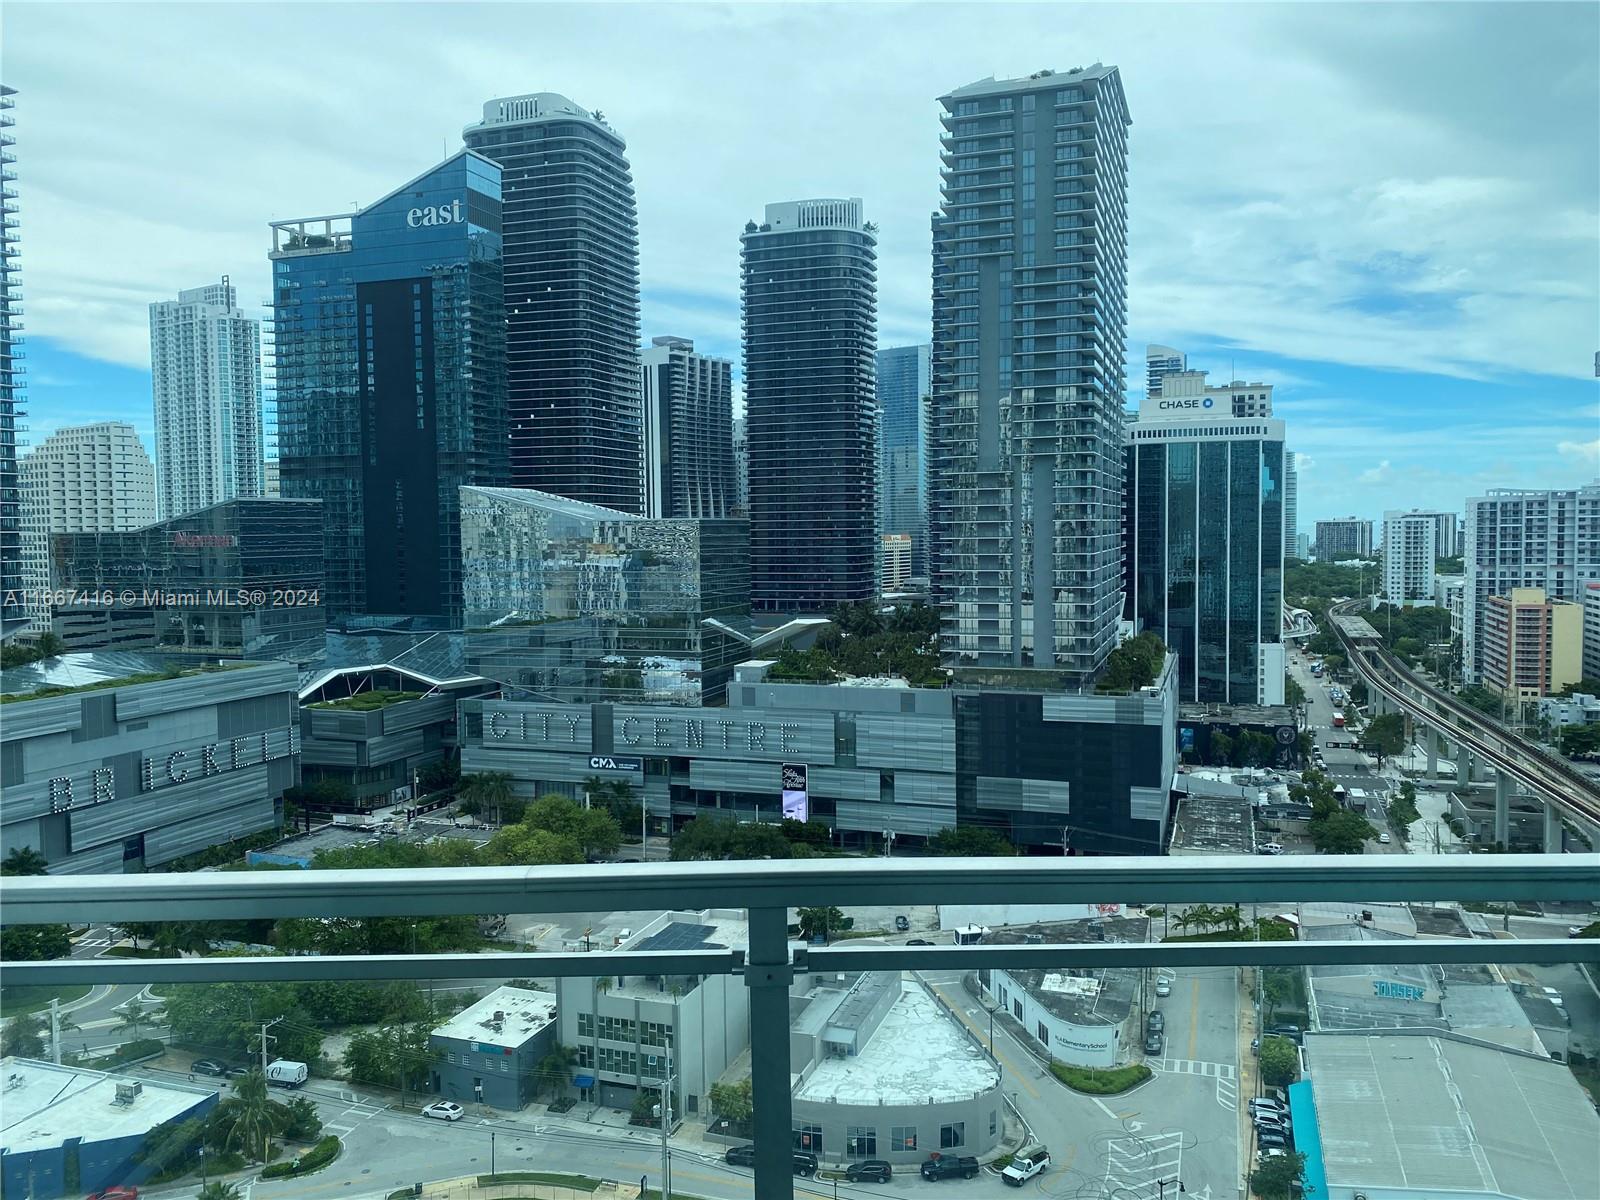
1204,916
251,1116
1232,916
24,860
491,789
135,1016
555,1068
217,1190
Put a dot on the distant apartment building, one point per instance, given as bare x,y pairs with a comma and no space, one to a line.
1343,537
1591,629
205,369
688,431
1159,362
13,612
270,481
1410,549
810,289
1526,538
1291,505
904,385
1532,644
571,281
897,559
741,469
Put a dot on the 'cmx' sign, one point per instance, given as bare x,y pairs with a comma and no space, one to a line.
606,762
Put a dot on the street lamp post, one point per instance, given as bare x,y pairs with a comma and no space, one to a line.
1163,1184
491,1152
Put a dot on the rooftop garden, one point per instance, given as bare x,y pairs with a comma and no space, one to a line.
1133,665
46,693
863,642
369,701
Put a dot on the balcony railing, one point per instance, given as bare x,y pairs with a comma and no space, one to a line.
768,890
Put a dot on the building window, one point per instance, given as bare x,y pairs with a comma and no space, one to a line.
586,1025
586,1057
655,1033
809,1138
903,1137
616,1029
994,1121
1016,1007
1044,1035
861,1141
954,1136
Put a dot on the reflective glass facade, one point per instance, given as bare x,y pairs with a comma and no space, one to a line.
391,377
1029,310
574,602
1205,566
688,431
810,332
242,578
904,382
11,371
572,298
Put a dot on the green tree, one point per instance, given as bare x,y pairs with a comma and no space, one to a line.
1385,734
1275,1178
1342,832
1275,989
251,1117
1293,693
1580,740
523,845
395,1056
716,838
555,1068
1220,749
822,921
489,790
300,1121
31,943
1280,1061
733,1102
136,1014
970,841
1133,665
225,1019
595,830
24,1036
216,1189
24,860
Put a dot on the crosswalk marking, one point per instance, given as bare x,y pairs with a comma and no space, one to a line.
1135,1165
1191,1066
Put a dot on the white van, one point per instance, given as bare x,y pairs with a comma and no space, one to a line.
287,1074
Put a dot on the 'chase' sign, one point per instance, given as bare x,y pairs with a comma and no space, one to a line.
1187,404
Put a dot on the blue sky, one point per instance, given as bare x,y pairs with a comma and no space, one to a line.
1388,211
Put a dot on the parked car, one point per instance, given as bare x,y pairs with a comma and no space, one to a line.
1025,1165
444,1110
1264,1120
870,1170
1550,994
951,1166
238,1072
1268,1139
120,1192
1383,839
1156,1022
208,1066
919,942
287,1074
805,1164
1292,1032
1163,987
1267,1104
902,923
741,1156
1154,1043
1270,848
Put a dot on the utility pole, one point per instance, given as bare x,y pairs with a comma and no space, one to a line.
55,1031
666,1125
266,1025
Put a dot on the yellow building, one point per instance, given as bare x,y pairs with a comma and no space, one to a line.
1533,646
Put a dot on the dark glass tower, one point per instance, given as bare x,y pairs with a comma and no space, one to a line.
11,606
903,389
572,298
688,431
810,332
390,336
1030,249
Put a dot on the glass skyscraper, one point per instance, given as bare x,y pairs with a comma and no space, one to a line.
1030,248
12,608
904,383
810,332
390,333
1205,510
572,298
688,431
573,602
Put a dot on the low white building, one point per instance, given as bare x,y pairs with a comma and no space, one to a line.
1576,709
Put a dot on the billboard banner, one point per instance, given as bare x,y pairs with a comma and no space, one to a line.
796,803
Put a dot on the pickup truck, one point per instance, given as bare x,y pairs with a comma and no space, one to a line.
949,1166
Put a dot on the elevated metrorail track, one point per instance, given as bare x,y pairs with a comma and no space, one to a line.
1550,778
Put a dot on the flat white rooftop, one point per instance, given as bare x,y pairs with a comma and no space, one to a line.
918,1054
44,1105
525,1013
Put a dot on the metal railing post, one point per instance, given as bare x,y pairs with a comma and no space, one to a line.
768,974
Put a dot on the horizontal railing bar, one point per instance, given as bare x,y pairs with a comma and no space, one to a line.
309,968
621,964
642,887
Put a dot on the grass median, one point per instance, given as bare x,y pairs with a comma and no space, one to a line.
1097,1082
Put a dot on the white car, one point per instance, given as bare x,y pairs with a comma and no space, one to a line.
1383,839
1163,987
1550,994
444,1110
1026,1165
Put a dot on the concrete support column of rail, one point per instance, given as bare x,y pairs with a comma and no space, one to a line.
1502,808
1552,829
767,974
1463,765
1430,737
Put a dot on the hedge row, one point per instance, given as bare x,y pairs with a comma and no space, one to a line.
314,1159
1100,1082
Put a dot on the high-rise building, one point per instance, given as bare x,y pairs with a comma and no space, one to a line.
1591,629
1516,538
1302,546
205,372
1291,504
270,485
1532,643
688,431
1413,542
904,385
571,298
810,330
1343,537
1028,372
896,564
1160,361
1205,511
741,468
1187,392
13,611
390,338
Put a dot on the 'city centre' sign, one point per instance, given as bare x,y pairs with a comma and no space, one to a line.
436,214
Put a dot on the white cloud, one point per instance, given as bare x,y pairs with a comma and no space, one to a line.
1588,452
1383,474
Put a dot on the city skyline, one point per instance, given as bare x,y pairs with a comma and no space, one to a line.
1352,281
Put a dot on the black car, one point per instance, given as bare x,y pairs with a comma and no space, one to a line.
805,1164
919,942
1156,1023
1154,1044
1292,1032
901,923
208,1066
1271,1140
872,1170
741,1156
951,1166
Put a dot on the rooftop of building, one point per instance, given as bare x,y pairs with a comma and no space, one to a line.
1102,997
1440,1114
708,929
507,1016
1041,78
532,107
46,1105
1214,826
917,1055
93,670
303,849
1235,714
430,659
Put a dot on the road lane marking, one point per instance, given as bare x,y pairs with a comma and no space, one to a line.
1017,1076
1194,1015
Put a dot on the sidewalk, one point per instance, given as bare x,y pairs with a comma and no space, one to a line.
1249,1079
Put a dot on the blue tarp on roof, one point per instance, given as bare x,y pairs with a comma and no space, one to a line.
1307,1138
